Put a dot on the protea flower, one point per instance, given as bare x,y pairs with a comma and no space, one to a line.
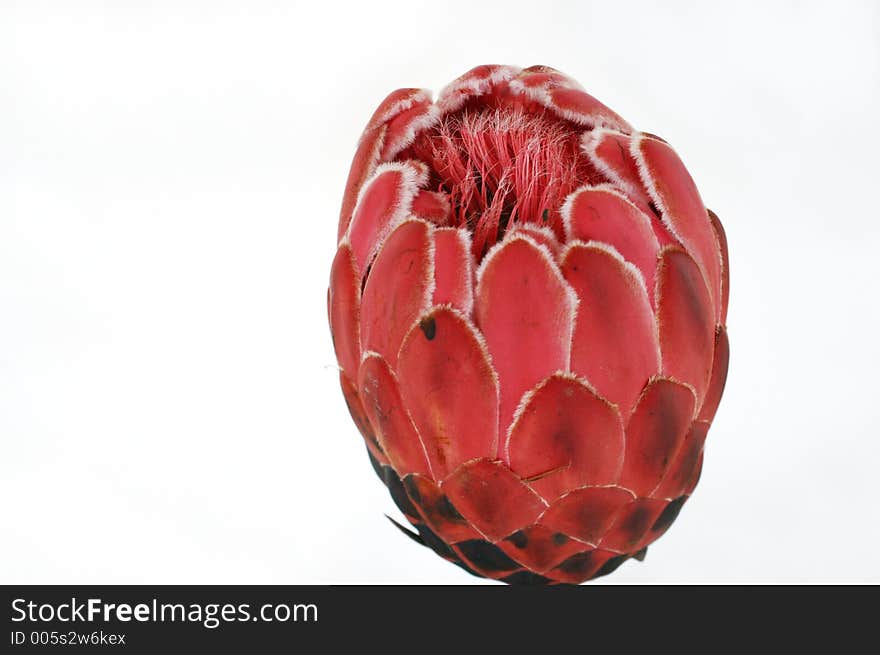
528,305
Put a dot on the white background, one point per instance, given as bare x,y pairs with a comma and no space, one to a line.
170,178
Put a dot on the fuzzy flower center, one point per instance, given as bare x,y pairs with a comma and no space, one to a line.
504,166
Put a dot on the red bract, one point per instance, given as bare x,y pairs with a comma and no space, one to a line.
528,305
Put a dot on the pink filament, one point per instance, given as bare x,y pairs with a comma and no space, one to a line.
504,166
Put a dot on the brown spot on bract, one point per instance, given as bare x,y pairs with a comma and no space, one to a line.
428,326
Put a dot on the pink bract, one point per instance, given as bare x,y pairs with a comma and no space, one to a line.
528,306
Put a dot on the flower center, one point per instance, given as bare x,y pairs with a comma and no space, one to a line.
504,166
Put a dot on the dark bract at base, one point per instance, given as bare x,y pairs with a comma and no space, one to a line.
486,560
